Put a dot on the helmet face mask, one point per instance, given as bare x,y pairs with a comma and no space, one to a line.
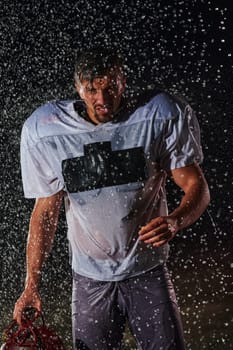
19,347
33,335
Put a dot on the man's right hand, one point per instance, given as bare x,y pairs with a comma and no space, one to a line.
42,228
29,298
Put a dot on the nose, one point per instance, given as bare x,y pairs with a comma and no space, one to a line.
102,97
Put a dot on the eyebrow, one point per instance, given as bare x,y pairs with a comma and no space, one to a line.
111,83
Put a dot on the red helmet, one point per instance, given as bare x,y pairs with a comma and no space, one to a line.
31,336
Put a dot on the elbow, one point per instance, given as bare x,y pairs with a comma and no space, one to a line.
206,196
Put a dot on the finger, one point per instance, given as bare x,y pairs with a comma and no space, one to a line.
17,315
37,305
37,312
159,244
156,239
152,225
20,307
153,233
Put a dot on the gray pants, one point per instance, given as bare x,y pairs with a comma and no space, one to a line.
147,302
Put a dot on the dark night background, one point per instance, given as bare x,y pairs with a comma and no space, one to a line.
183,47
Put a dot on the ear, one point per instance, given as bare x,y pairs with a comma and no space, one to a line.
80,90
122,83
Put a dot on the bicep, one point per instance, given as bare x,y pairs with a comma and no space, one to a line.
48,207
43,223
188,176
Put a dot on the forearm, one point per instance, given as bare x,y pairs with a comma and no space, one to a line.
40,239
42,228
162,229
192,205
39,244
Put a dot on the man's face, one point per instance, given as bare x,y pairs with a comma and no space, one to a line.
103,96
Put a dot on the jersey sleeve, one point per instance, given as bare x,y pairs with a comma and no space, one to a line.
180,145
38,176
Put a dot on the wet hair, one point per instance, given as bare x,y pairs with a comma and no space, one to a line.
97,62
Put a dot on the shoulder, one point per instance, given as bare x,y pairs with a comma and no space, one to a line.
46,120
159,108
49,113
166,106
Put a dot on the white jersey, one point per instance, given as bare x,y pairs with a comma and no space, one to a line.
113,175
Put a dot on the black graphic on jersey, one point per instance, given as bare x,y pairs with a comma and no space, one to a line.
102,167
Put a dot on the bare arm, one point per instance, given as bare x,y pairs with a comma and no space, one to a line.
195,200
42,228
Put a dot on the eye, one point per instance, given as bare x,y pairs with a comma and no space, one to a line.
90,90
112,89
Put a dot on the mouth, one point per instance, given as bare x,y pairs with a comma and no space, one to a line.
103,109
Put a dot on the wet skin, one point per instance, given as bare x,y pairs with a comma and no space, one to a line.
102,96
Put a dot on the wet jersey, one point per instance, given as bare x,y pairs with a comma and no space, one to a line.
113,175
